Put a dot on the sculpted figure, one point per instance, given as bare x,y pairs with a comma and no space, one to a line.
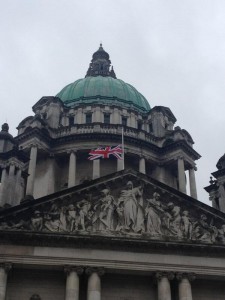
36,222
203,231
172,220
52,219
84,214
71,217
106,210
130,198
153,211
186,225
120,215
221,234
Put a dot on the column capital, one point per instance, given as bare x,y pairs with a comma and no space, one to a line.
78,269
189,276
34,145
90,270
74,151
6,266
160,274
180,157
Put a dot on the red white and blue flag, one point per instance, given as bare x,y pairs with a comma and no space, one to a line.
105,152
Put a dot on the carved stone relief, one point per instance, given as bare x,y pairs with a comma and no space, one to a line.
130,208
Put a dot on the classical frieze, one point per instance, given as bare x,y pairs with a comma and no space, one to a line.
123,207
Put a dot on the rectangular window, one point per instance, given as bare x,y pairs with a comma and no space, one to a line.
124,121
71,120
150,128
107,118
139,125
88,118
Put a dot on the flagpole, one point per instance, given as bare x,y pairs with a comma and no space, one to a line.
123,147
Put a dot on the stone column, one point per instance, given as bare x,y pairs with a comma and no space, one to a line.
193,190
96,168
2,187
181,175
72,282
184,288
94,283
72,169
11,184
119,165
31,170
163,280
19,194
142,165
4,269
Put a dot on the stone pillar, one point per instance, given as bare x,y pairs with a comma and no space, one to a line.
163,280
31,170
96,168
94,283
19,194
72,169
119,165
184,288
193,190
11,184
142,165
4,269
2,187
72,282
181,175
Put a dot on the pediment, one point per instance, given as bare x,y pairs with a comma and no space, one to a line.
125,204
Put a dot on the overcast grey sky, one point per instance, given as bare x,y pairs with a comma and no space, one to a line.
172,51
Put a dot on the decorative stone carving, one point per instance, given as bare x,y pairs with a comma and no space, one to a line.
6,266
129,208
90,270
189,276
79,270
160,274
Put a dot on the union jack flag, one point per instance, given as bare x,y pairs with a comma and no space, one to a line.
105,152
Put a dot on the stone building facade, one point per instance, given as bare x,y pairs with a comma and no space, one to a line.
74,228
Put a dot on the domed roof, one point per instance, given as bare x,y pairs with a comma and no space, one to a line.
106,90
101,86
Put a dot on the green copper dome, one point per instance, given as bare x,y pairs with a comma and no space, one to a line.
105,90
101,86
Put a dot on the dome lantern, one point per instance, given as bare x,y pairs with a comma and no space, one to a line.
100,64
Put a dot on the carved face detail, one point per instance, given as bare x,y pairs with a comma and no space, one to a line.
156,196
129,185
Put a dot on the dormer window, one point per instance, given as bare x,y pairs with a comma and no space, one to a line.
88,118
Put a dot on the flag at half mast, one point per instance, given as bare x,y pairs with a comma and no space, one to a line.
106,152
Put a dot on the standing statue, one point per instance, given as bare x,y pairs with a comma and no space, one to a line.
186,225
71,217
84,214
153,211
130,199
106,212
